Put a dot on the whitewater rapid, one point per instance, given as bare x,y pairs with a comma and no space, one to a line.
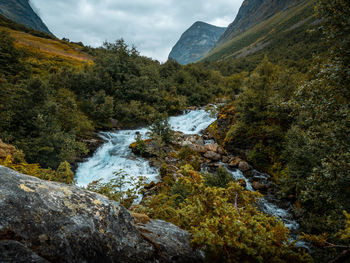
115,155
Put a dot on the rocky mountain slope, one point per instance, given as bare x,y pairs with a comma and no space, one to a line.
42,221
253,12
277,28
21,12
195,42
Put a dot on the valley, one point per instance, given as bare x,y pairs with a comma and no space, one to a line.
235,149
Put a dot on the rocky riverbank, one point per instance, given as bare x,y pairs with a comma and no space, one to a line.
204,154
200,150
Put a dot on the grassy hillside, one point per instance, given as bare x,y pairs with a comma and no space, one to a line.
44,51
285,36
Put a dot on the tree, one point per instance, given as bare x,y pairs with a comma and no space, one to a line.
161,128
318,144
9,56
262,115
64,173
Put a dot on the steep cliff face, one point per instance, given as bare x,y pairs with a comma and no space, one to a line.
253,12
21,12
196,42
42,221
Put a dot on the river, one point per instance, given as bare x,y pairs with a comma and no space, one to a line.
115,155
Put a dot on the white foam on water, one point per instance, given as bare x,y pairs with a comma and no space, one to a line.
115,155
266,206
192,122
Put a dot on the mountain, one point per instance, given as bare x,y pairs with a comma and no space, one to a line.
21,12
253,12
279,29
195,42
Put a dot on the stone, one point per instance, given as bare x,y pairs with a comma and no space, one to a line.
259,186
212,156
212,147
16,252
225,159
234,162
221,150
44,221
243,166
198,148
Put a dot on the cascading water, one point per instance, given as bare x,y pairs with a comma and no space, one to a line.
115,155
266,206
270,208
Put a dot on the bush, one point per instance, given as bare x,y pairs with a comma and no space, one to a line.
220,179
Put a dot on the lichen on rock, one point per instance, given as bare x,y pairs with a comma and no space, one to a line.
51,222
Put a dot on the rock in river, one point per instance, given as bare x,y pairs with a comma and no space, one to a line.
43,221
212,156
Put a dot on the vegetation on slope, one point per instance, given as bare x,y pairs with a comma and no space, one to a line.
290,119
295,126
289,38
53,96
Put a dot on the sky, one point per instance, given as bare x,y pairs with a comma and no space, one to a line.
153,26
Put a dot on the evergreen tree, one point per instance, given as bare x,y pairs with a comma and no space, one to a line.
319,143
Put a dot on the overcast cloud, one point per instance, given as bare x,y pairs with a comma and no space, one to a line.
153,26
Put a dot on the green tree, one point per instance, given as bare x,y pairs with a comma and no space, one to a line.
319,145
262,115
161,128
9,56
64,173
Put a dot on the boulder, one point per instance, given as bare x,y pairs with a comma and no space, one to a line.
259,186
212,156
243,166
198,148
42,221
16,252
234,162
195,139
221,150
213,147
225,159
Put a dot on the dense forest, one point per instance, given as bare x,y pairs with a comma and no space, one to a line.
290,120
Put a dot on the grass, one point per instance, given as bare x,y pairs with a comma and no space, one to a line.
267,30
44,51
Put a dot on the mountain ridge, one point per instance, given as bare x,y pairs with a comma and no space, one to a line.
284,34
195,42
253,12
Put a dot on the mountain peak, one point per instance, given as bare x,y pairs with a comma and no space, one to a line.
195,42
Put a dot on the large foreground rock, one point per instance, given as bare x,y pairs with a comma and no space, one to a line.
42,221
